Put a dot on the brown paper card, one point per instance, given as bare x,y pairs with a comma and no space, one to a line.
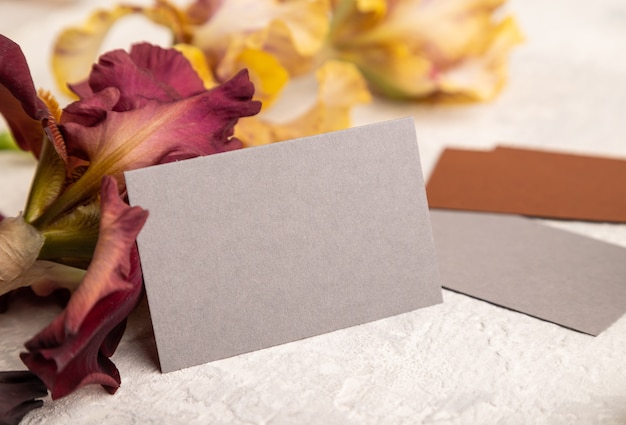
530,182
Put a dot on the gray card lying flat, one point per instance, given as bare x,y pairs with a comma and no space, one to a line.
511,261
252,248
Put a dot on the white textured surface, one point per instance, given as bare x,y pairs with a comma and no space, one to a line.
464,361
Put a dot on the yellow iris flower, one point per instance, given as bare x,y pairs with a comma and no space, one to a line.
405,49
420,48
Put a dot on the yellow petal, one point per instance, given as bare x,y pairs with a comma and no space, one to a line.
76,48
290,31
273,40
341,87
394,70
418,49
168,15
198,62
379,7
266,73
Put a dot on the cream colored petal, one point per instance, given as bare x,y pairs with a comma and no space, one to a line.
481,77
290,31
20,244
308,23
77,48
341,87
280,40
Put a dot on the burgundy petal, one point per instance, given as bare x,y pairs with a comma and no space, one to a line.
160,132
147,73
19,103
91,110
18,393
66,362
74,349
169,67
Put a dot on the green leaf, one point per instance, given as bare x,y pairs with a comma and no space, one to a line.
7,143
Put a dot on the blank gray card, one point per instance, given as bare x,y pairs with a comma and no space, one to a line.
515,262
257,247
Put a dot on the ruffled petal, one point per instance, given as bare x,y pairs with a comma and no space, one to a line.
146,73
110,268
19,393
77,47
73,350
161,132
102,131
19,103
341,88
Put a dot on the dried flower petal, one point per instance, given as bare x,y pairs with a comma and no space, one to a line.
272,39
415,49
299,35
73,350
341,87
179,120
76,48
18,393
194,126
146,73
20,244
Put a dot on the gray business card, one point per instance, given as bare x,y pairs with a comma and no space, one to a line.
515,262
253,248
